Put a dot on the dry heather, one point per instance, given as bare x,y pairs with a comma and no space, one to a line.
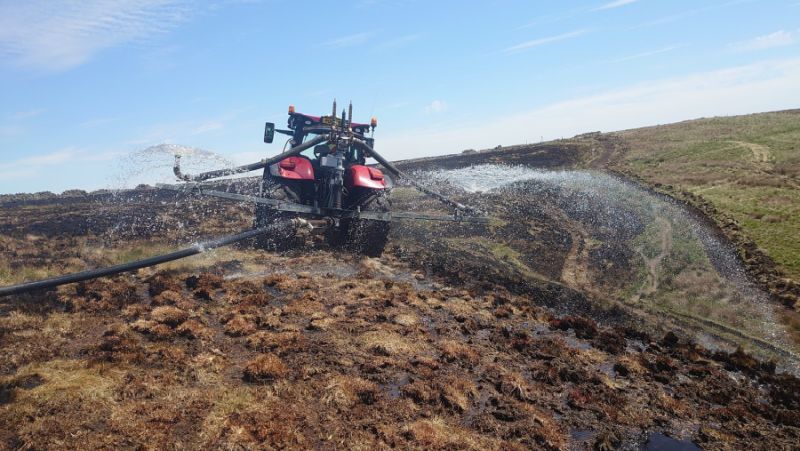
242,349
311,359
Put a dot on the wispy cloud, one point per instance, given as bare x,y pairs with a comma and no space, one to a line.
27,114
180,131
542,41
64,155
208,126
614,4
437,106
18,174
400,41
689,13
646,54
44,35
553,18
395,105
780,38
569,14
96,122
7,131
33,167
348,41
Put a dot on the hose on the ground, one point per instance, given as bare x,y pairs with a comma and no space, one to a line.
150,261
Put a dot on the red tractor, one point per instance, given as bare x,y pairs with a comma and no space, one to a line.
323,179
332,176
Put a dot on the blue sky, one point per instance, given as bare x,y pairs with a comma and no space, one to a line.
87,84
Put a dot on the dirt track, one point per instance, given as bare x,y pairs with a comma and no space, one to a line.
423,348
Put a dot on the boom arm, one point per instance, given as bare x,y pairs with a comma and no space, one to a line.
248,167
397,172
319,140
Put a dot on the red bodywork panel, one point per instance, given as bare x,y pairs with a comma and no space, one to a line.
364,177
295,168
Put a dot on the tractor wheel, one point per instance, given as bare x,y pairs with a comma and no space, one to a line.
366,236
280,240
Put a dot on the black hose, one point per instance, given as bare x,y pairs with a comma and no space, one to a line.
248,167
138,264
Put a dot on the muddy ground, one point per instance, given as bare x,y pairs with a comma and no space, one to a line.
433,345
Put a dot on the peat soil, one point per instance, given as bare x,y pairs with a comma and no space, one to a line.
428,346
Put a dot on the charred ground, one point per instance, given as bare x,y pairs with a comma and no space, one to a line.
456,338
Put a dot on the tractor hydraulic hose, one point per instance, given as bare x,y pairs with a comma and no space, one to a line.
248,167
151,261
397,172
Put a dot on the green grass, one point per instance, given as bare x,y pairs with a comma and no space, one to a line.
720,159
770,216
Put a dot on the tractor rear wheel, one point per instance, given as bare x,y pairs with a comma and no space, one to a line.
283,239
365,236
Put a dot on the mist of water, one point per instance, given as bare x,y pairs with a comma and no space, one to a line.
154,165
606,202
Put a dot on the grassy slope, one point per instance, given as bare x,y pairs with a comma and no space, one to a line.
747,166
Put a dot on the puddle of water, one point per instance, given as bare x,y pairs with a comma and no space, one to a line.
607,368
575,343
6,395
581,435
430,326
483,334
634,346
660,442
394,388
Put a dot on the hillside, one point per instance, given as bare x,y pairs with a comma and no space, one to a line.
743,172
746,167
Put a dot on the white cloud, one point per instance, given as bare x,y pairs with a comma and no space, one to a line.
542,41
54,36
762,86
400,41
27,114
208,126
181,131
59,157
437,106
646,54
614,4
52,168
97,122
778,39
17,174
689,13
348,41
11,130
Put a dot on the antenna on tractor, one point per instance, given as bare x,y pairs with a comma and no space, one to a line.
350,115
